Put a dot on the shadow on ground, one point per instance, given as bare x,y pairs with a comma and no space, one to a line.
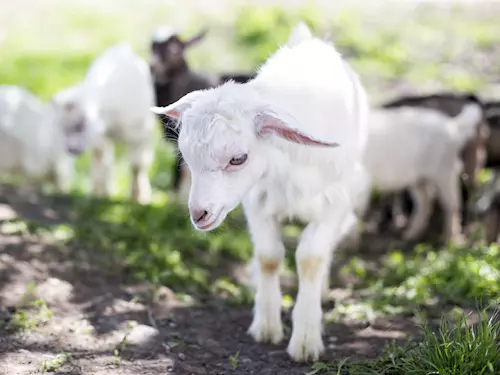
108,323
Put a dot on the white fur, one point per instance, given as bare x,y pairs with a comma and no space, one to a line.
114,99
31,142
419,148
305,87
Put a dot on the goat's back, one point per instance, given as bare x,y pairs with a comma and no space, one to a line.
20,111
310,82
406,144
120,84
452,104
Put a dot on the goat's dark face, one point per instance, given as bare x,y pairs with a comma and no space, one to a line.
167,55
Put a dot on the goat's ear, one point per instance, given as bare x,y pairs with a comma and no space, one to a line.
176,109
267,122
196,39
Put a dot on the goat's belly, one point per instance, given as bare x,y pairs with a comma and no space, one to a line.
392,182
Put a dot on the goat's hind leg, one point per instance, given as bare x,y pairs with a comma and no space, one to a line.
422,210
448,186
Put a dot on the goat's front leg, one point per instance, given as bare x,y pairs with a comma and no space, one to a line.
102,166
141,158
269,253
314,255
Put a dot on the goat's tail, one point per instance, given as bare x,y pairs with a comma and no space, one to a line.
466,122
299,33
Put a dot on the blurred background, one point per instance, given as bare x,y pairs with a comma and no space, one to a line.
397,47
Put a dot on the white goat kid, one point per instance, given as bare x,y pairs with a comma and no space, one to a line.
285,144
31,142
115,100
419,148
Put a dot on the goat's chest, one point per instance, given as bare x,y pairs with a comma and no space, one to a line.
299,194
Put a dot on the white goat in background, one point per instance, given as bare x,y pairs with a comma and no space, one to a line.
286,144
31,141
111,105
419,148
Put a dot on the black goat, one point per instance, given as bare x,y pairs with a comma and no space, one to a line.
173,79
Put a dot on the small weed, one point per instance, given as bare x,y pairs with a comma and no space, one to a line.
30,313
119,350
56,363
234,359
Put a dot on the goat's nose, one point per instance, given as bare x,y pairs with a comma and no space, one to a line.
198,214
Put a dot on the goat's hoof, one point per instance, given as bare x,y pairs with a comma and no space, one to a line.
306,345
266,331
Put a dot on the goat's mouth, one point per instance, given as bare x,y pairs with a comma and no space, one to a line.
212,222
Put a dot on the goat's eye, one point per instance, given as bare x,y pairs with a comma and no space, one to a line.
238,160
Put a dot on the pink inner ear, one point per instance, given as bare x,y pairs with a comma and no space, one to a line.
174,113
276,126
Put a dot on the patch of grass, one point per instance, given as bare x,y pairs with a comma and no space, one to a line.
30,313
457,347
154,243
451,275
55,364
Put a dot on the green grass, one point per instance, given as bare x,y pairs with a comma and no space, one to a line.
154,243
455,348
422,278
55,364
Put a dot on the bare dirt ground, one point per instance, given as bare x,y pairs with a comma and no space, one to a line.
111,326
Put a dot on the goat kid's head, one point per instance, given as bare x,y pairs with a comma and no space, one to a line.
167,52
71,119
222,140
